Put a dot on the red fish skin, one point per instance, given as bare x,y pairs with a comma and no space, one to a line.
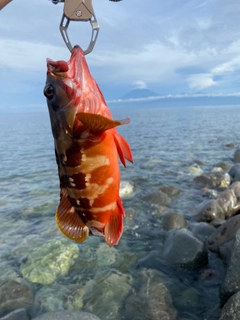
87,147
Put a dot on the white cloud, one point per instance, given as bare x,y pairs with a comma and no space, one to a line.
200,81
139,84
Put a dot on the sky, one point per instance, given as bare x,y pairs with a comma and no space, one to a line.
171,47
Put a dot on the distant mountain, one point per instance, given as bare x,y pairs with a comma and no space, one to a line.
139,93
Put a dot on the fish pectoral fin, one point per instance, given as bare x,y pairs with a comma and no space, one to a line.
69,221
123,149
114,228
97,123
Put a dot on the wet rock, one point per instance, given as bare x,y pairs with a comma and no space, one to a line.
14,295
224,233
67,315
183,249
231,282
226,205
113,285
127,189
234,172
236,156
202,230
217,222
217,179
106,256
158,198
129,219
225,250
231,310
20,314
160,303
46,263
195,170
173,220
223,165
230,145
171,191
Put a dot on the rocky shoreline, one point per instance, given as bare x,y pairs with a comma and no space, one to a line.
164,278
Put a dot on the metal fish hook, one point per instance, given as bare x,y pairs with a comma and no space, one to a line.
78,10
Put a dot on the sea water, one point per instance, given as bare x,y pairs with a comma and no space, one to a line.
167,144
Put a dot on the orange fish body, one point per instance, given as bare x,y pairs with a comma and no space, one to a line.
87,147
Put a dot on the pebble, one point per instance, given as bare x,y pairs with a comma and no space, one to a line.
217,179
67,315
159,198
173,220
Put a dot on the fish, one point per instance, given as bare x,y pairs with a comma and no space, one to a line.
87,150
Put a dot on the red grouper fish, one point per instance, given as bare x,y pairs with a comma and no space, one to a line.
87,147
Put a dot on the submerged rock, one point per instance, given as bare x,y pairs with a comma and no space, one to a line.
127,189
236,156
202,230
14,295
171,191
67,315
158,198
51,260
20,314
173,220
231,310
183,249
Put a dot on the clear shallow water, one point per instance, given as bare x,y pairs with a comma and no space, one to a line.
166,143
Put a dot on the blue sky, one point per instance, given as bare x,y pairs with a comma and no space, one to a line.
171,47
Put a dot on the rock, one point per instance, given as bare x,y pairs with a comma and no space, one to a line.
20,314
182,249
223,165
225,251
173,220
224,233
234,172
230,145
51,260
202,230
158,198
14,295
129,219
231,310
226,205
217,179
160,303
171,191
236,156
231,282
106,256
67,315
111,284
209,210
127,189
195,170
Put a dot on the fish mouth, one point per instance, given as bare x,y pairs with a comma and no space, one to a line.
77,64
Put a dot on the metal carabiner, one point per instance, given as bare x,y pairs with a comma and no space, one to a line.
78,10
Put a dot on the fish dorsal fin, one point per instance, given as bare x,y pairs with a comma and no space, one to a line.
68,220
97,123
114,228
123,149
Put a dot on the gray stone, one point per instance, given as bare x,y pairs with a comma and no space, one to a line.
158,198
171,191
225,250
46,263
183,249
224,233
236,156
14,295
173,220
202,230
20,314
67,315
231,282
209,210
217,179
234,172
231,310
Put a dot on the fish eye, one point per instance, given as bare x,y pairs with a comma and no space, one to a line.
49,91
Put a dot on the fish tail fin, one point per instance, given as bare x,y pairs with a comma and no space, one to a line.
123,149
68,220
114,228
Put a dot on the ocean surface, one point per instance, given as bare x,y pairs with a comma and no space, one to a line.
168,144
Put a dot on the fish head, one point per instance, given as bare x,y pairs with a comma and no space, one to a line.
63,90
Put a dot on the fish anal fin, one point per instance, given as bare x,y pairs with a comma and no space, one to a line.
68,220
97,123
114,228
123,149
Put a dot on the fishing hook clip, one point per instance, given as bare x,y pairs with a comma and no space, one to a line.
78,10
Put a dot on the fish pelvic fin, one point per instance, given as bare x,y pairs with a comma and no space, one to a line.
114,228
97,123
123,149
68,220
